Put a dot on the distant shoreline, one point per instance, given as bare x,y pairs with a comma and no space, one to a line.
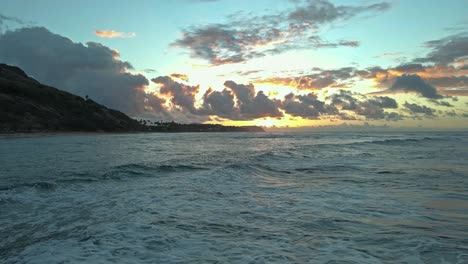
72,133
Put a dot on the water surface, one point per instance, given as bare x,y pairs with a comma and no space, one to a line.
235,198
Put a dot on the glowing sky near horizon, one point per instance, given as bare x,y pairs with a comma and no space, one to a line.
291,63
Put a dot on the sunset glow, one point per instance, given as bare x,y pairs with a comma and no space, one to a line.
287,66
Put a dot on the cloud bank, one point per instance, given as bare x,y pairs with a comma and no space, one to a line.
97,71
84,69
246,37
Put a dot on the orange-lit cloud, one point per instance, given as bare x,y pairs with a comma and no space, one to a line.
114,34
448,80
180,76
316,80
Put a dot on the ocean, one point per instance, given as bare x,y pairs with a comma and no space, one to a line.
234,198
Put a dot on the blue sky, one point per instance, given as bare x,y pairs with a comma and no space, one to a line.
403,29
335,34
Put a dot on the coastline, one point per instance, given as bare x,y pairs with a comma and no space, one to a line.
84,133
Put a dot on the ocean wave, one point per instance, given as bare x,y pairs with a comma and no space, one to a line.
137,168
329,168
40,185
120,172
398,141
390,142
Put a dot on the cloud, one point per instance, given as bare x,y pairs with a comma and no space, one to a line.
180,76
316,80
447,80
450,81
246,37
383,102
84,69
372,108
220,103
447,50
391,54
322,11
181,95
345,100
441,103
5,21
114,34
342,43
414,83
418,109
97,71
410,67
235,101
451,113
253,105
307,106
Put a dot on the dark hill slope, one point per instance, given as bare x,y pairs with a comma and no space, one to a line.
29,106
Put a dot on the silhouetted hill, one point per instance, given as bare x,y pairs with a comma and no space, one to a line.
29,106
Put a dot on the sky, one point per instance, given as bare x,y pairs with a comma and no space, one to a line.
280,63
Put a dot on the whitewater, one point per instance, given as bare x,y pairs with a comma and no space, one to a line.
234,198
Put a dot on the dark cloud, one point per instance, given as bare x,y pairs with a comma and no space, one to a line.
251,105
92,69
318,80
410,67
181,95
345,100
414,83
368,107
235,101
214,43
392,116
221,104
449,81
307,106
370,110
447,50
247,37
451,113
418,109
323,11
373,108
383,102
315,82
441,103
